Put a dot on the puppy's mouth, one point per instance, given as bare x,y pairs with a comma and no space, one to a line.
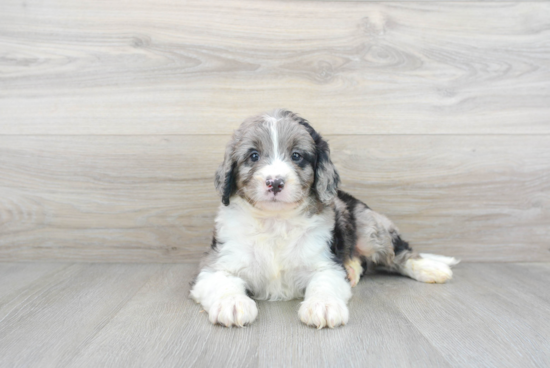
275,205
280,201
279,197
273,197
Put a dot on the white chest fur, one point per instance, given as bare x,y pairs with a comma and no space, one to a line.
275,254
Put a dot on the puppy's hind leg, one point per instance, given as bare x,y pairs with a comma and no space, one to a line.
423,267
428,268
381,242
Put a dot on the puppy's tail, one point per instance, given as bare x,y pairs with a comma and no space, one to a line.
449,261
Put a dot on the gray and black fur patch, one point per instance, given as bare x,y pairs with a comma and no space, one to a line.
344,235
399,245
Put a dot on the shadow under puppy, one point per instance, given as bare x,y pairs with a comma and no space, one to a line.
285,231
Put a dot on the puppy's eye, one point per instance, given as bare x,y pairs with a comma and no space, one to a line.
254,156
296,156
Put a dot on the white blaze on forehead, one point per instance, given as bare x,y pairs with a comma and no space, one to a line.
274,136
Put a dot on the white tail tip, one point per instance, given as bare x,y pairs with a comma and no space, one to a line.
451,261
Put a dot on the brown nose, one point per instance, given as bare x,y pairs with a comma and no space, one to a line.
275,185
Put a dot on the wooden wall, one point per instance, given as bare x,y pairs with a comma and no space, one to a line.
114,114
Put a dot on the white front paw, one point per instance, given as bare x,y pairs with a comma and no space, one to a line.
233,310
323,312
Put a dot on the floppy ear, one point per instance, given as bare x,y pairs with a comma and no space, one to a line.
326,177
226,175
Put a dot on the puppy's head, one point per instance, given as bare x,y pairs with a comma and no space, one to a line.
276,161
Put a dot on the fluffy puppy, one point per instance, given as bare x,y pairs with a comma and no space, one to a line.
285,231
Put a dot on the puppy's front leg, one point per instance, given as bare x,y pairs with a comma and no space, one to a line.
224,297
325,301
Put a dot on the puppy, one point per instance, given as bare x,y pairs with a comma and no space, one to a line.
285,231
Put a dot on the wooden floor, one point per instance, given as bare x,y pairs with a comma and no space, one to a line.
139,315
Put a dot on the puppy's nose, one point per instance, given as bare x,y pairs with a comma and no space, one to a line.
275,185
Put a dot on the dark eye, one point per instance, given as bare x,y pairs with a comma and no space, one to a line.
296,156
255,156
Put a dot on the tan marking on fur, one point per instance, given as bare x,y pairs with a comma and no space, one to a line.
354,270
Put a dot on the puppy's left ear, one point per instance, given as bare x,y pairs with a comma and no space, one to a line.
326,176
226,175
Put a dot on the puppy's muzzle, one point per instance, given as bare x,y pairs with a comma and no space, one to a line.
275,185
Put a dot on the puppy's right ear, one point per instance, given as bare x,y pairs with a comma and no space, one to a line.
226,175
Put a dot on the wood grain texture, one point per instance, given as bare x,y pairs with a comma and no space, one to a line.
135,198
488,315
113,118
16,276
486,318
377,335
200,67
51,319
175,333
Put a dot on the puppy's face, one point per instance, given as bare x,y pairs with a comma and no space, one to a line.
275,161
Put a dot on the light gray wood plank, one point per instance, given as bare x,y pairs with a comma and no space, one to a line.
111,198
522,283
151,198
116,315
52,319
524,307
176,334
170,67
478,319
15,276
162,327
377,335
467,196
